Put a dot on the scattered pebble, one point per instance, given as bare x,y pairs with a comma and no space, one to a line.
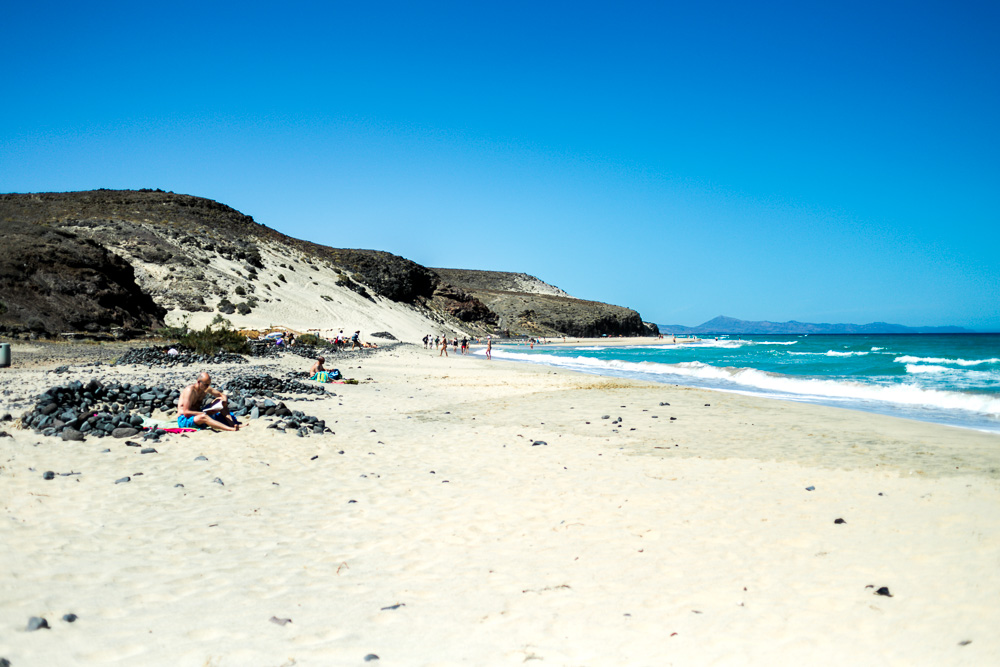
123,480
839,521
810,488
370,657
394,607
148,450
536,443
884,591
70,618
218,481
280,621
36,623
48,474
72,435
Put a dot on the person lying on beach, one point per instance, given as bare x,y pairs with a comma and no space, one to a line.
192,412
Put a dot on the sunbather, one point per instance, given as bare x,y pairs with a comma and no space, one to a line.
191,408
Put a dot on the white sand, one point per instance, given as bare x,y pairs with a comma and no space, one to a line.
687,542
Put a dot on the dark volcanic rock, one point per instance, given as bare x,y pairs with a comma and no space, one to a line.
96,260
157,357
53,281
522,304
462,305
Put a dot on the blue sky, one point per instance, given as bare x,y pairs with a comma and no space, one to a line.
825,162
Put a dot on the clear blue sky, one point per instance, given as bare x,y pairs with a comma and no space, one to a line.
826,162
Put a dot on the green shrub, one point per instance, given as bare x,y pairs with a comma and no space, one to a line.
240,291
243,308
210,341
173,333
309,339
281,277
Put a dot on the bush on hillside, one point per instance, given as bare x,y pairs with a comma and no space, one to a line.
310,339
210,341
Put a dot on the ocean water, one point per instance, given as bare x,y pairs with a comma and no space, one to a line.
949,379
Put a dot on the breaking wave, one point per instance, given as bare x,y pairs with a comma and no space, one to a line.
756,381
940,360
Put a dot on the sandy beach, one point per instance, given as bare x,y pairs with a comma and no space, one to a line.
491,513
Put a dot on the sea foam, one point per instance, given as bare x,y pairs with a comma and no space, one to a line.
903,394
941,360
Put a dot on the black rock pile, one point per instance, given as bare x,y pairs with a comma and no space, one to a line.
152,356
268,385
244,401
263,348
312,352
77,409
384,334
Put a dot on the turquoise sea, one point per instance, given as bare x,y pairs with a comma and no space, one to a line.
950,379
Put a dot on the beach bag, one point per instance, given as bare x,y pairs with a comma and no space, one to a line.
322,376
335,374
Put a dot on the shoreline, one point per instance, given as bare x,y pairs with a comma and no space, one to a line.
635,539
927,413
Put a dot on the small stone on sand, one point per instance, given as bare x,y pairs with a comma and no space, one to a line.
36,623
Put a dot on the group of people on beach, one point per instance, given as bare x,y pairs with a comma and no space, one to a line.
442,342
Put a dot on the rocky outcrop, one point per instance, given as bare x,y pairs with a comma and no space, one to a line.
122,258
550,315
498,281
522,304
182,234
462,306
53,281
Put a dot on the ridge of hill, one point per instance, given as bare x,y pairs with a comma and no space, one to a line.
526,304
141,258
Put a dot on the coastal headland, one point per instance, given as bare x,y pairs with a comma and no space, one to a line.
462,511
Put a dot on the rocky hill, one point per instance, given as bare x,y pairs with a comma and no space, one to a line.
124,259
501,281
525,304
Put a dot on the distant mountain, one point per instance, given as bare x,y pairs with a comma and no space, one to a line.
731,325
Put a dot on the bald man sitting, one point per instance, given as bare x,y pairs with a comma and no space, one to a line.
191,412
